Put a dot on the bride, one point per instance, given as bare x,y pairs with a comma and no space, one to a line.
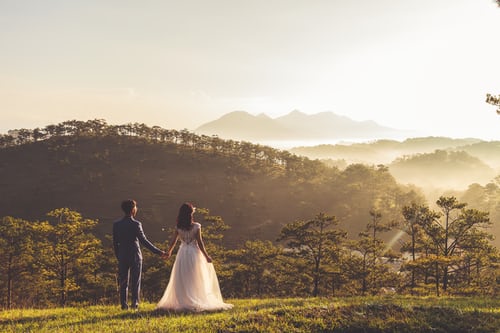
193,284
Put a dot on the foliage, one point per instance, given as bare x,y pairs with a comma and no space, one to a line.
373,271
72,266
316,241
414,217
16,258
494,100
486,198
67,251
449,247
254,269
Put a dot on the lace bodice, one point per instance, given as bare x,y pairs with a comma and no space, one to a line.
189,236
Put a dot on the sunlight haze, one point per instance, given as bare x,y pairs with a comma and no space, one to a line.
424,65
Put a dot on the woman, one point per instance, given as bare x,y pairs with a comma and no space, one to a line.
193,284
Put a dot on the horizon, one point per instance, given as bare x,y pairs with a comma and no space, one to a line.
286,144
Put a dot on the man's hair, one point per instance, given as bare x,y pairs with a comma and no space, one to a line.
128,205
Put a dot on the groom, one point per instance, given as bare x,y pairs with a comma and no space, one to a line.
127,234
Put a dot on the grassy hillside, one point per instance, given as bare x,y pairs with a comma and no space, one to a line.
92,174
380,314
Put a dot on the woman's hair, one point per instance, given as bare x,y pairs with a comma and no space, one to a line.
185,217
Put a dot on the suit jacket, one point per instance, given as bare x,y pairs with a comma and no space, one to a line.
127,234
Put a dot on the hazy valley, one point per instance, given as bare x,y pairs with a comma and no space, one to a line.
357,221
256,189
432,163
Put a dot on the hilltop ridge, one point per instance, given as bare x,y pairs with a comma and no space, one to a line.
90,167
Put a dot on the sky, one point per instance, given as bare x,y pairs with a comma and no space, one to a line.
424,66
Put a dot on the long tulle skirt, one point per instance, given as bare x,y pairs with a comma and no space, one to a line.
193,284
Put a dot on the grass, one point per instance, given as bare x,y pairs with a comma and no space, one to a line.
358,314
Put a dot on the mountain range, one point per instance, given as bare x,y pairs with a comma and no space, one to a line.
240,125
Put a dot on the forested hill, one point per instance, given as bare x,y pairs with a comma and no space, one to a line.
91,166
386,151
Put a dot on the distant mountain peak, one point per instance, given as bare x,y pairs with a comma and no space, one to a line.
263,115
297,113
236,113
241,125
296,125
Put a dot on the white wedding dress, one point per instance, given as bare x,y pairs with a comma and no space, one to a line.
193,284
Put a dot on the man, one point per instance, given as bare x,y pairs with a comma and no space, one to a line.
127,234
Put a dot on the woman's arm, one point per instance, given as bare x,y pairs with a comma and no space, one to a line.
173,241
201,245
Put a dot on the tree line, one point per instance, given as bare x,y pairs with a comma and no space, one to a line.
261,155
58,261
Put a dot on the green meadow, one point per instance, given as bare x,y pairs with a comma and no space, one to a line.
357,314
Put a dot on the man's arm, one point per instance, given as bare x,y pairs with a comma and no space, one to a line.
115,240
144,241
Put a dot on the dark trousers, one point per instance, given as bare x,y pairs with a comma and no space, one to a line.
129,274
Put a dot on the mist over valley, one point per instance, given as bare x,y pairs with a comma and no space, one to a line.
256,188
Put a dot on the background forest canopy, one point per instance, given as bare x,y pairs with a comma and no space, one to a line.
272,215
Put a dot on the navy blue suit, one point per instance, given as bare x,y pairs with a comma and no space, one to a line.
127,234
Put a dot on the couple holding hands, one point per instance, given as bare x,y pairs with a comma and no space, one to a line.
193,284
